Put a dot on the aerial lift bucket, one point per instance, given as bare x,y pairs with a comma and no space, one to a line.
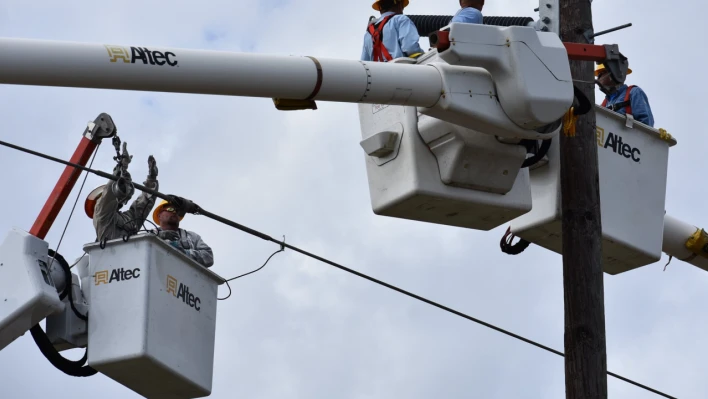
27,290
152,317
633,163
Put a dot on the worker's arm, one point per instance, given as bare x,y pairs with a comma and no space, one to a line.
201,253
641,110
135,216
104,214
132,219
408,36
106,219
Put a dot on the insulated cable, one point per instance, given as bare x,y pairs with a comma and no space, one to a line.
282,248
266,237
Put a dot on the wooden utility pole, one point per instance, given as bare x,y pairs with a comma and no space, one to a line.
585,345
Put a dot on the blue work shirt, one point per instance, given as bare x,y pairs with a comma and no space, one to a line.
400,37
468,15
641,111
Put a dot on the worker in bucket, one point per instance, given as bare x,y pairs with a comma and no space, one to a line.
392,35
103,203
470,12
168,215
624,99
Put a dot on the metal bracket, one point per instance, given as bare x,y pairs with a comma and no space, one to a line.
549,16
629,121
102,127
616,63
283,104
589,36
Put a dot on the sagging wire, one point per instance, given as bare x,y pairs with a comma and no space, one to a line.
667,263
78,196
263,236
282,248
79,260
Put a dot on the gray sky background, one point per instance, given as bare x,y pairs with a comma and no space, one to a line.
299,328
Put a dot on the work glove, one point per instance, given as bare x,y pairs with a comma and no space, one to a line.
152,168
169,235
151,181
183,205
125,158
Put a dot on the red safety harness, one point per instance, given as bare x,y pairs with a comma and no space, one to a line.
626,104
380,52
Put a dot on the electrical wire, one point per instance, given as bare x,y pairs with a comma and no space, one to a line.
79,260
263,236
282,248
95,152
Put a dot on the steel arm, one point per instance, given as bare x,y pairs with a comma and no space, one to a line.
97,130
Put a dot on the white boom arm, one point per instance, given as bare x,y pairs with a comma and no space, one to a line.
51,63
526,71
685,242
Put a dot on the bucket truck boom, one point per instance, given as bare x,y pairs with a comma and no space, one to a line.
529,69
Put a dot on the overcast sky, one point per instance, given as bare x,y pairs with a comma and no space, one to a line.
299,328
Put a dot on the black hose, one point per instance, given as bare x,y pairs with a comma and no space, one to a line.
69,367
542,151
67,272
62,262
427,24
512,249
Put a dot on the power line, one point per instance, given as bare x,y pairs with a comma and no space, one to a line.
326,261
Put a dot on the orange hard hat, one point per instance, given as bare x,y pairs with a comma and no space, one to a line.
91,200
156,212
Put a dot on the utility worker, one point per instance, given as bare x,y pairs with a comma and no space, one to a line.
104,202
168,215
470,12
624,99
392,35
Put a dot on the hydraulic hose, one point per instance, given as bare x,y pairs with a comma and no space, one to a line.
427,24
540,153
69,367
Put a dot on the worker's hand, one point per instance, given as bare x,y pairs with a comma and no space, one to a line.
125,157
169,235
152,168
183,205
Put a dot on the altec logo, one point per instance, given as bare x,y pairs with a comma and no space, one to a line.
106,277
147,56
181,291
618,146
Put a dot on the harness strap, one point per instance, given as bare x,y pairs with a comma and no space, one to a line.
628,108
626,104
380,52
